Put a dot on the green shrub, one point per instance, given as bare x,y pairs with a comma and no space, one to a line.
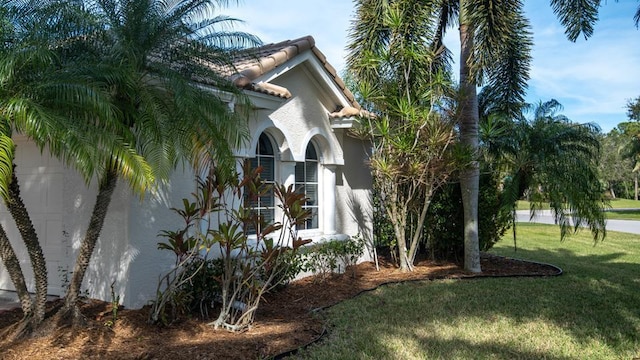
290,264
334,256
444,228
202,288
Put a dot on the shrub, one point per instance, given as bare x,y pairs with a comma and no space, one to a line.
202,289
444,228
334,256
246,265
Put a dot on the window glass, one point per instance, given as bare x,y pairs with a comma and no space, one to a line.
264,206
306,182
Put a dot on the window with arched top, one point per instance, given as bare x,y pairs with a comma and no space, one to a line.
306,182
264,206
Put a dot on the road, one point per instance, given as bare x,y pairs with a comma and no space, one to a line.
545,217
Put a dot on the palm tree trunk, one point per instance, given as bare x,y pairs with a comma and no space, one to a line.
469,119
23,221
12,264
98,215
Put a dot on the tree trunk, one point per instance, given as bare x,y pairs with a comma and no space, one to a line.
635,187
469,119
98,215
12,264
23,221
417,234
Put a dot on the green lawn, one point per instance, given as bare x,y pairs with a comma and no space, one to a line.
625,204
592,311
616,212
624,215
615,204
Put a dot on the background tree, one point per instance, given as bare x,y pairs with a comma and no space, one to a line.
631,130
615,169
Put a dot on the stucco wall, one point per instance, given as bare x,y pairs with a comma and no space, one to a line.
354,213
300,119
147,218
127,253
60,204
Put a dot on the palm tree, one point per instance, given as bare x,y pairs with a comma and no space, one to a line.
553,161
149,53
495,45
30,75
135,62
494,54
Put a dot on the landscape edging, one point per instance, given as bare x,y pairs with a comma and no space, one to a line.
324,332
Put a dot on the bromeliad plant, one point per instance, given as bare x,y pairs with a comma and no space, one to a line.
254,255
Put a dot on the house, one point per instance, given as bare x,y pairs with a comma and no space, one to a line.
299,127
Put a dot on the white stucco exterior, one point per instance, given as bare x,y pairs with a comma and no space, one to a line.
60,201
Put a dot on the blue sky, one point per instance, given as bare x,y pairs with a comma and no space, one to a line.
592,79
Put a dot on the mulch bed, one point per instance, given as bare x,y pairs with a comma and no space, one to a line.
286,320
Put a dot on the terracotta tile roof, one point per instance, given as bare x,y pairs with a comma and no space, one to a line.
258,61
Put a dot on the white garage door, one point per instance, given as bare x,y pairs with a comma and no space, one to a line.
41,183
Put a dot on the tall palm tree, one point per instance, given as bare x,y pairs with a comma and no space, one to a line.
494,54
495,44
508,79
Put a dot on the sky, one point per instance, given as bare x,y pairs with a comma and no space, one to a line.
593,79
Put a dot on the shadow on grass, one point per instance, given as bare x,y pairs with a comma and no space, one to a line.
433,347
594,301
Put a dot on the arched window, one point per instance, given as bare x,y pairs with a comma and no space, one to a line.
264,205
306,182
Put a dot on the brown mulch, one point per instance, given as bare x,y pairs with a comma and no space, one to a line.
286,320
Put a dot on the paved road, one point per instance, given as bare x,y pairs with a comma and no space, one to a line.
545,217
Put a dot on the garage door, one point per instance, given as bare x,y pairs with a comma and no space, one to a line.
41,180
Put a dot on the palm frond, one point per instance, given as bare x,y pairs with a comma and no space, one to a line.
577,16
555,161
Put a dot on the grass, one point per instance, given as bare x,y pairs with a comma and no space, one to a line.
625,204
590,312
624,215
615,204
621,209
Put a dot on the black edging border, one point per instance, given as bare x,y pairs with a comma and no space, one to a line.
325,332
